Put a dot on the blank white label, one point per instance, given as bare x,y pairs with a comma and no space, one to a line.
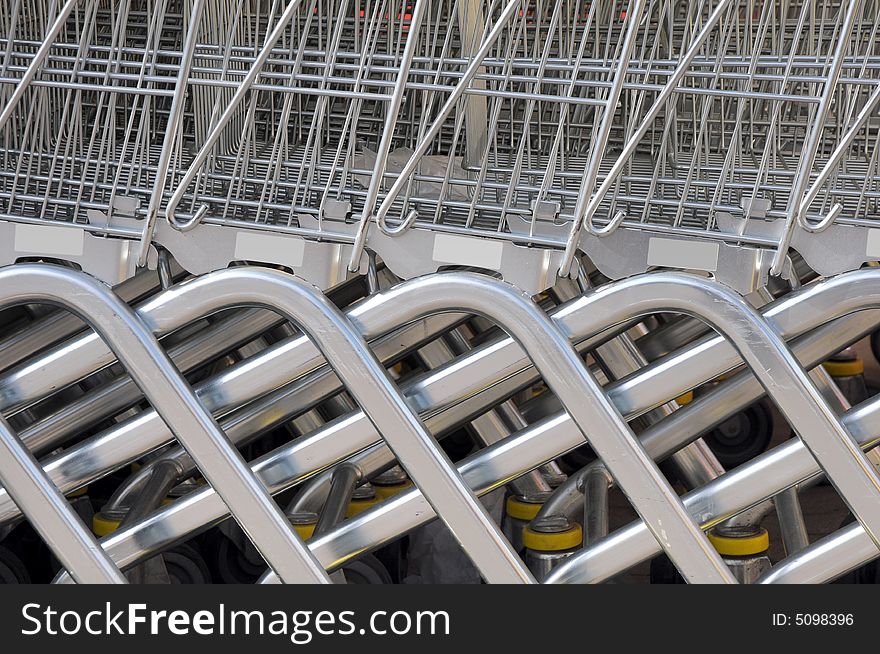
49,240
689,255
468,251
872,249
269,248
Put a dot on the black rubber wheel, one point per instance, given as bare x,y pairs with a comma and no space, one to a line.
742,437
228,564
393,557
12,570
366,570
186,565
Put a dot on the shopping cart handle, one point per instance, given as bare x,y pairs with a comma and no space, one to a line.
612,225
823,224
186,225
401,228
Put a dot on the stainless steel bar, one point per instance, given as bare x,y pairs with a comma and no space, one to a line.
139,351
828,558
175,114
621,357
633,140
490,427
598,146
122,392
162,478
485,472
754,515
708,411
791,521
59,325
472,25
393,110
286,467
37,61
368,382
596,485
51,516
811,144
83,463
419,150
228,112
761,478
766,371
345,479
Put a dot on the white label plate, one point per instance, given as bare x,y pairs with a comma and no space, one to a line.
468,251
689,255
49,240
872,249
270,248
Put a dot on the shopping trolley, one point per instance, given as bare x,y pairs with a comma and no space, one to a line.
402,156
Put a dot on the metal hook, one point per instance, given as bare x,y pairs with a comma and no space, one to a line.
405,224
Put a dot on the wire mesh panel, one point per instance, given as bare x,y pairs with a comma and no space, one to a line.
538,127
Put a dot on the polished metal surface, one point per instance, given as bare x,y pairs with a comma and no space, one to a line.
603,257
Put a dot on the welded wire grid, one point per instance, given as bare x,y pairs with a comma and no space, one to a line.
84,144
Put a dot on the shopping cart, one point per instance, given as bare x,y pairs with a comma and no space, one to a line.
392,153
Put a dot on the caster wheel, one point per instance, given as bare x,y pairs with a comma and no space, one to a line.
228,564
366,570
741,437
186,565
12,570
393,558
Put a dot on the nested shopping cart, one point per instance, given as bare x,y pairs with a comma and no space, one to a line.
404,157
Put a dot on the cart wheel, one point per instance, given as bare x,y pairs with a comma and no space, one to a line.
186,565
228,564
366,570
12,570
742,437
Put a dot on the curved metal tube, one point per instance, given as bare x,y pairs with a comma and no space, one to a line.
762,477
121,392
393,110
369,383
502,360
439,391
162,384
484,471
834,158
828,558
270,410
51,515
786,383
488,469
708,411
597,151
404,225
774,366
564,372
